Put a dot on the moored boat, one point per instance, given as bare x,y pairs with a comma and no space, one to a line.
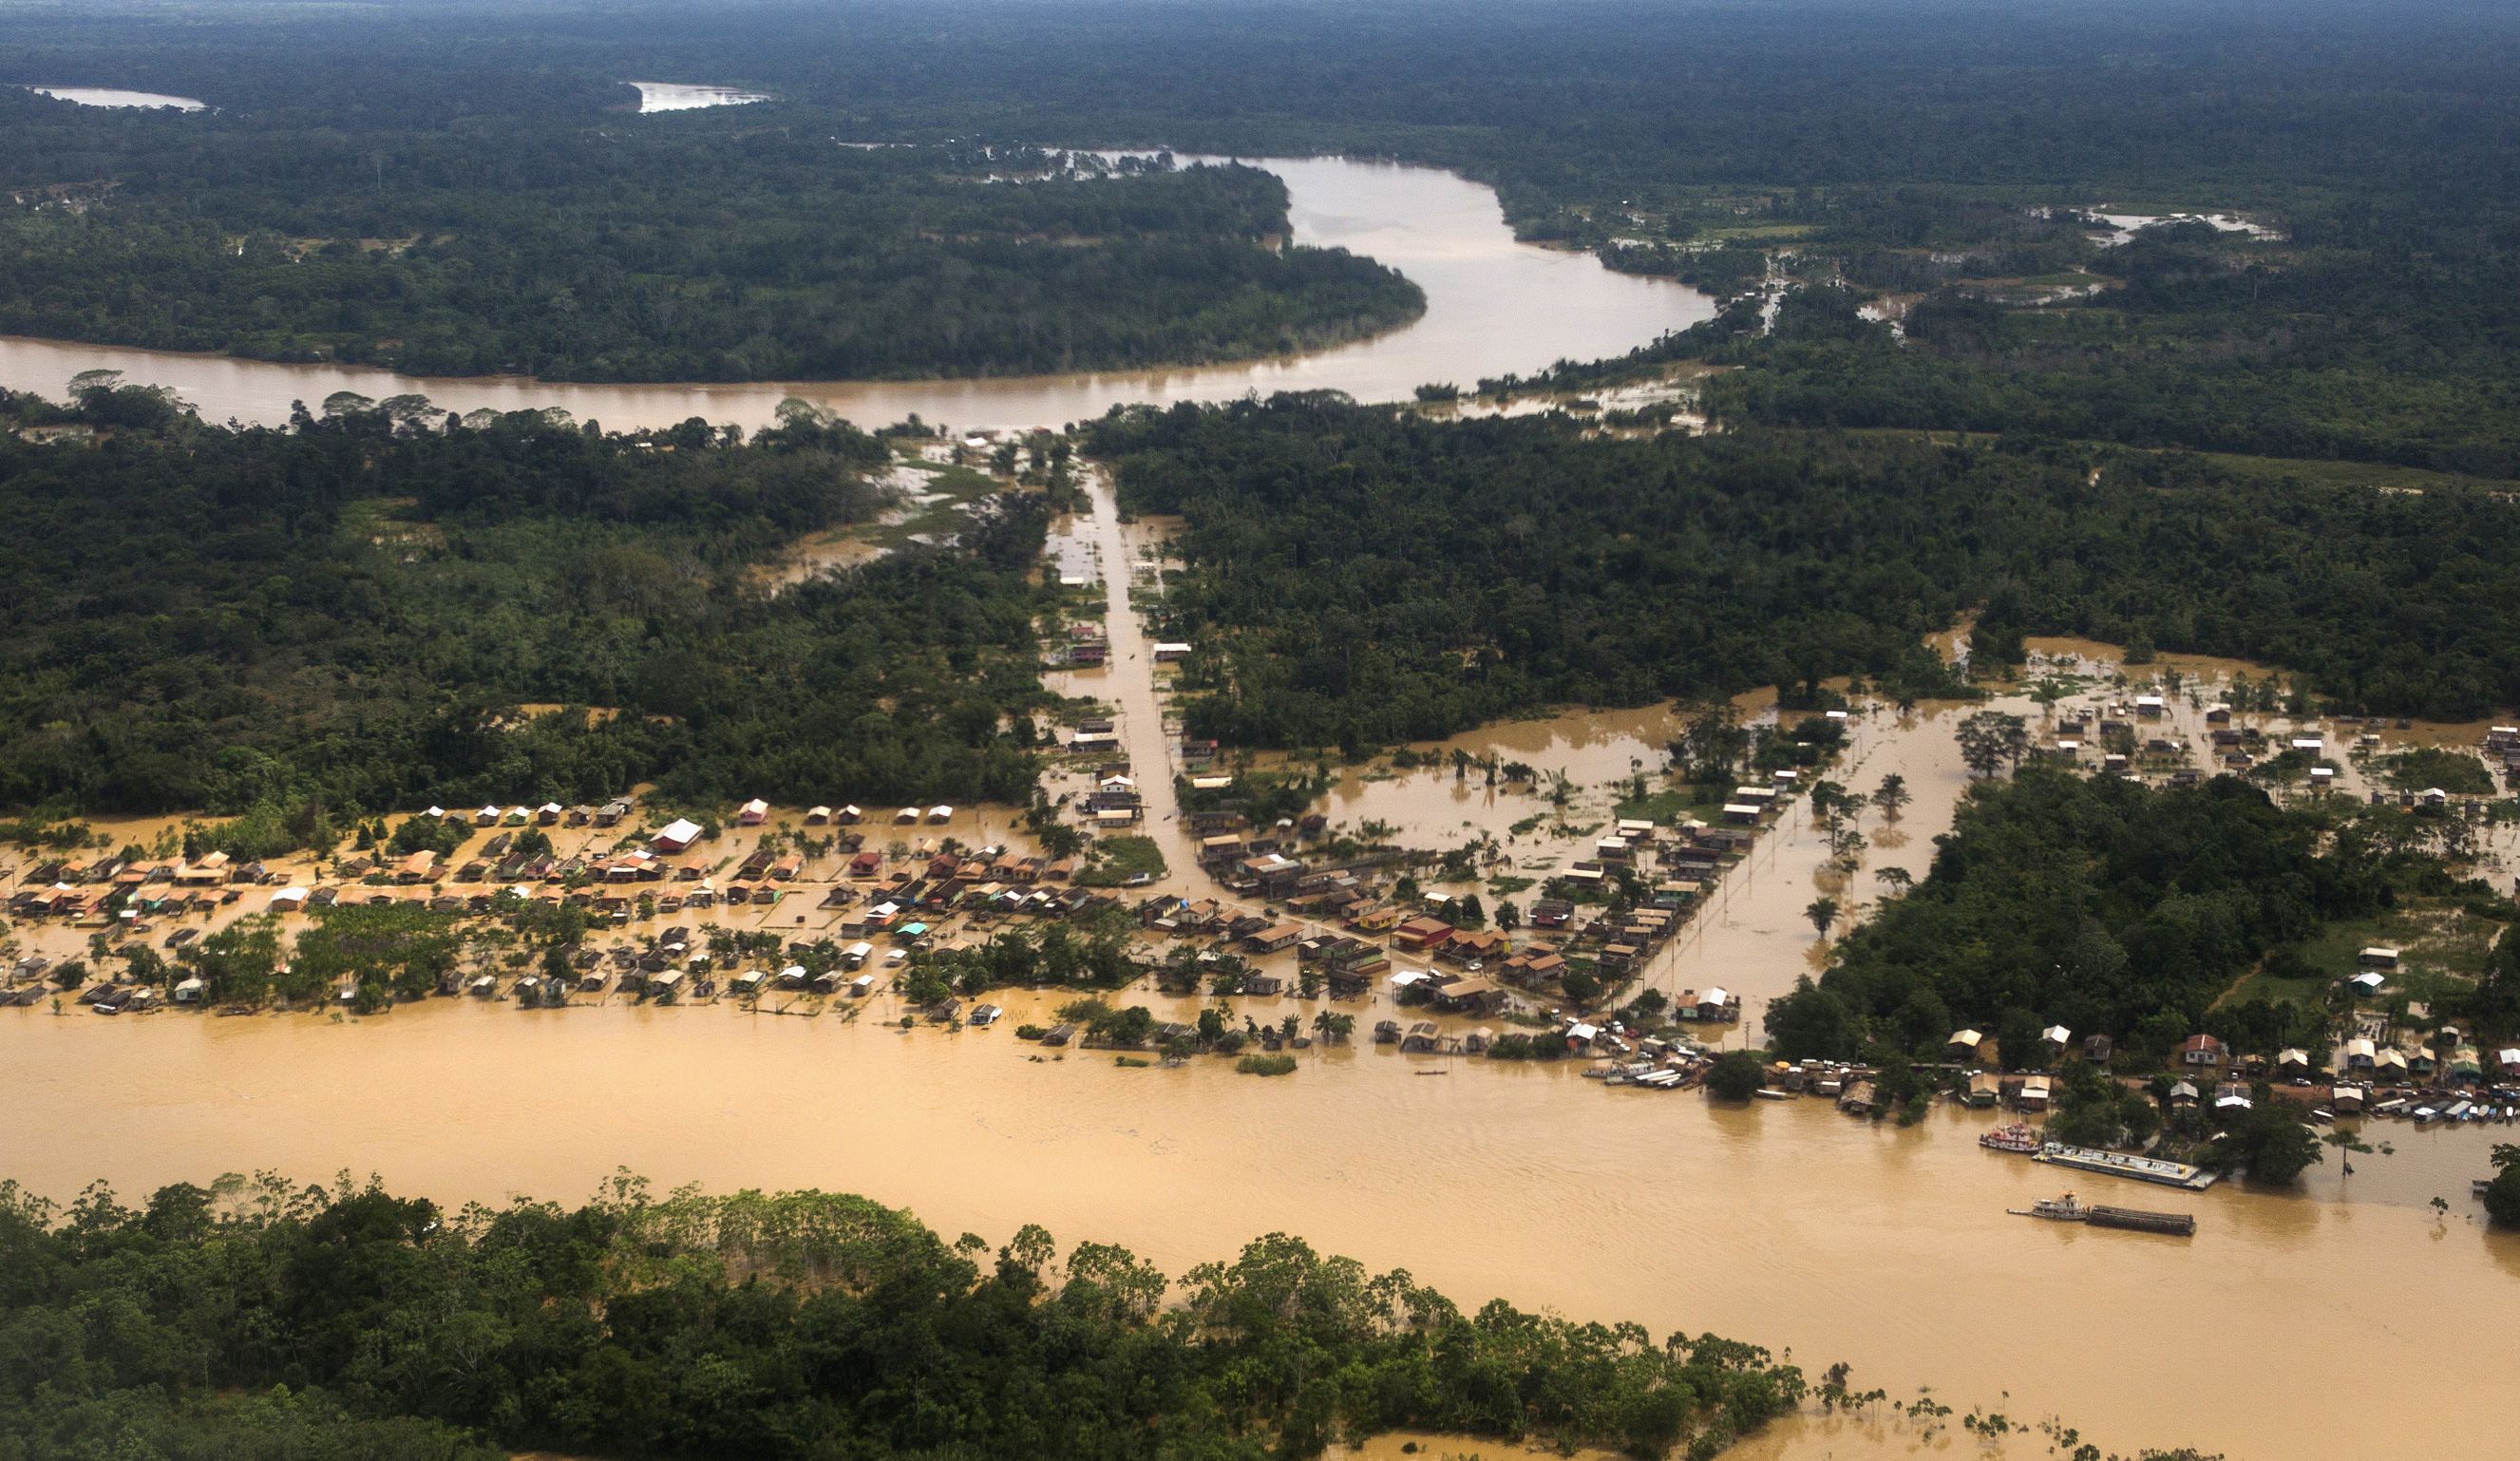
2121,1164
2016,1138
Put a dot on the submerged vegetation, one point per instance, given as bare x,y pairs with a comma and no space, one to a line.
256,1319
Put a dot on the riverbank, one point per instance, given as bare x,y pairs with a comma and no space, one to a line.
1782,1223
1495,306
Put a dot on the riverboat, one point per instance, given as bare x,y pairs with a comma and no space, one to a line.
2131,1219
2016,1138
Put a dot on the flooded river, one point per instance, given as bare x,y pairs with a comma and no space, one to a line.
1784,1223
1493,306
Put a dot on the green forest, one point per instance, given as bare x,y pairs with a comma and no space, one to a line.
2113,909
463,188
347,617
1366,577
647,249
260,1321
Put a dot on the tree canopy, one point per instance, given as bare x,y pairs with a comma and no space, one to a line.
256,1319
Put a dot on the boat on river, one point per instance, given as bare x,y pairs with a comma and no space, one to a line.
2121,1165
2016,1138
2132,1219
2054,1208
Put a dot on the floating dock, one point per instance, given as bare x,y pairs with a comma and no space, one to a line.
2119,1165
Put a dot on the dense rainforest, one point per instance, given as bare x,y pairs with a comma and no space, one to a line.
257,1321
1362,575
515,213
2115,908
384,606
673,246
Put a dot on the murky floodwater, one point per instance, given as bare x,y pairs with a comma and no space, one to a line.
107,96
1781,1223
1493,306
682,96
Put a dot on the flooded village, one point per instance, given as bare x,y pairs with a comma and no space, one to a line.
1147,732
1544,916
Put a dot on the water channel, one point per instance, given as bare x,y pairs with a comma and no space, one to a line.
1494,305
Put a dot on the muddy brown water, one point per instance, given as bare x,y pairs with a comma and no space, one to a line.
1494,306
2309,1324
1781,1222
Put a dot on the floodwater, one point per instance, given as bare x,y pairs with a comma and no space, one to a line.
2124,226
107,96
1493,306
1753,934
680,96
1780,1222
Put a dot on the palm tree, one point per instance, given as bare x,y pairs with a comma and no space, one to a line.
1823,912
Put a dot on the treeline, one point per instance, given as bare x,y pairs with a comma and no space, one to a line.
2386,337
255,1320
355,616
648,248
2114,908
2093,902
1360,576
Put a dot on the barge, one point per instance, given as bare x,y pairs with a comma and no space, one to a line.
2119,1165
2131,1219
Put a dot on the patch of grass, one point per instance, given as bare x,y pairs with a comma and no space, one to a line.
1763,231
2353,474
1117,859
2433,938
2259,984
2426,766
1265,1064
1668,805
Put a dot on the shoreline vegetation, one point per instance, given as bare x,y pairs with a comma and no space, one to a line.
260,1318
702,253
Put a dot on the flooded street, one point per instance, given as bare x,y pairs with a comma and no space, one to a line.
1493,306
